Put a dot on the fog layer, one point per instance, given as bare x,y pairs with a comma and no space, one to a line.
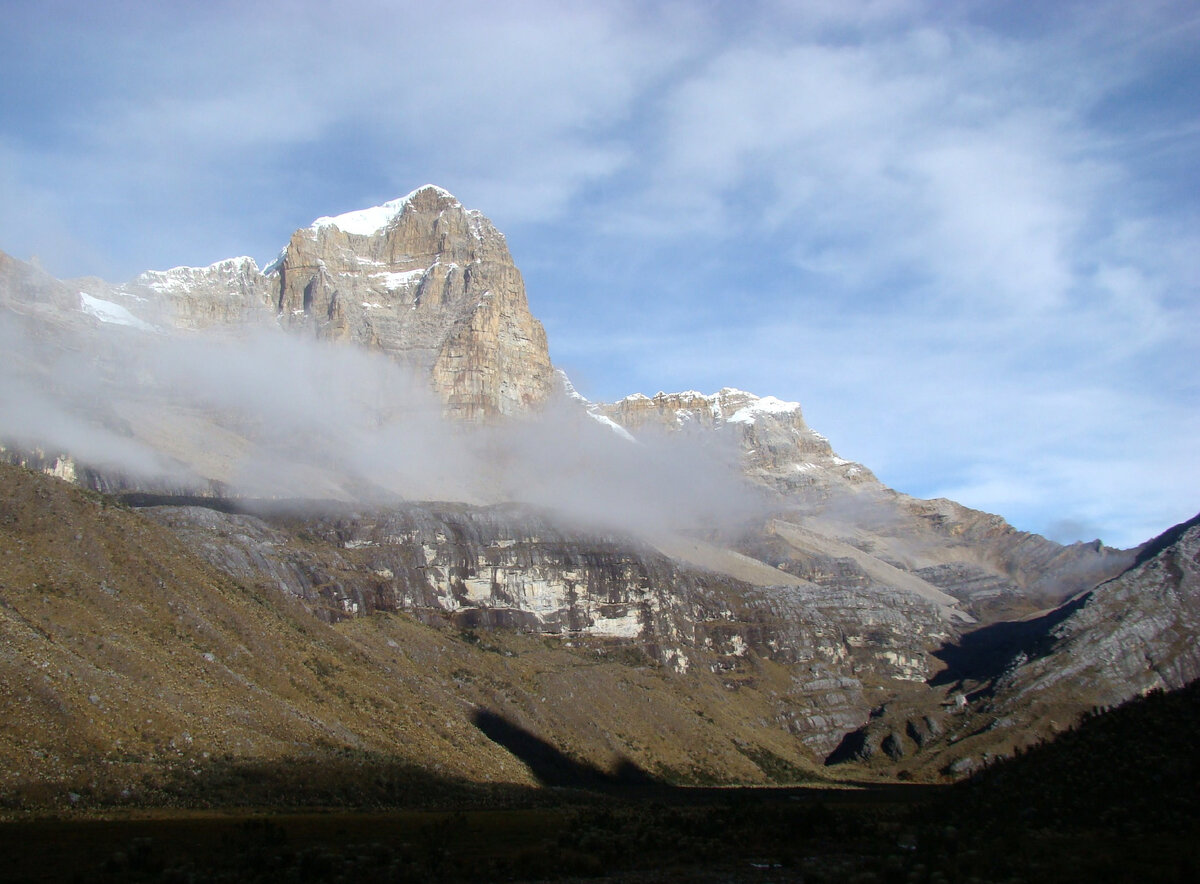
265,414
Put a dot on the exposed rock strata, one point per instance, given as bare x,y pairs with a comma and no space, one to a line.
434,287
511,567
1015,683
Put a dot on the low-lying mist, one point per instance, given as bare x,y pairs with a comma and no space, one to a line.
270,415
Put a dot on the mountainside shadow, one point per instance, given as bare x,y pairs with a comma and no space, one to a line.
549,765
985,654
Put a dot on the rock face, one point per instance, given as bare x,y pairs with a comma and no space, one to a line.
778,448
432,285
422,279
514,568
1014,683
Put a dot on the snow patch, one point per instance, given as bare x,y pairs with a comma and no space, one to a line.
183,279
612,425
767,405
368,222
571,393
107,311
403,280
277,264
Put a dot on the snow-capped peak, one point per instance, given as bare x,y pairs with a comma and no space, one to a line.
747,414
728,405
182,278
367,222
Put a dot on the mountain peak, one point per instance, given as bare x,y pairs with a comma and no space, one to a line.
368,222
727,405
432,284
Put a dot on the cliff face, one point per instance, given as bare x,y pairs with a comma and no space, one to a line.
516,568
434,287
422,279
778,449
1012,684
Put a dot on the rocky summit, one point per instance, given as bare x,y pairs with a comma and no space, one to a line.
432,285
231,531
421,279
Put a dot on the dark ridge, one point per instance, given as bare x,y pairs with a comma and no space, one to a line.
1168,538
245,506
1132,770
318,507
140,499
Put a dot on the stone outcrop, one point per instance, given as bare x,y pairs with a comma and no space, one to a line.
778,449
1015,683
516,568
434,287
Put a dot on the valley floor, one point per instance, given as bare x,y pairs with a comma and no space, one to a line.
644,834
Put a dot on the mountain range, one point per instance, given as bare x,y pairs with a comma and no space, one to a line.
345,503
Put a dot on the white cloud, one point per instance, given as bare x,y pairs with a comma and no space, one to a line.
516,103
910,155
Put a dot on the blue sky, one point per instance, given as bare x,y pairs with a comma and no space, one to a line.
965,236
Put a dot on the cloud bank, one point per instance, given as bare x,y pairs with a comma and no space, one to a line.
270,415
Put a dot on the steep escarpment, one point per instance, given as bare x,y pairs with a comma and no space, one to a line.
431,284
421,279
517,569
1015,683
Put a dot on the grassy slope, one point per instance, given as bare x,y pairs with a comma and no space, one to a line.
127,662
